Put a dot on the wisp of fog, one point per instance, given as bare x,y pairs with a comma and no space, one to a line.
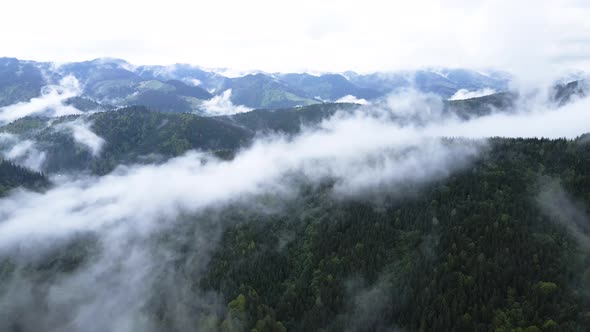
50,103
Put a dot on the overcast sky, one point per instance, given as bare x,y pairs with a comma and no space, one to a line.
303,35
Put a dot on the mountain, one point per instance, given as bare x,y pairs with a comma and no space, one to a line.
383,82
13,176
130,134
329,87
188,74
137,134
286,121
116,82
473,80
472,252
564,92
141,132
264,91
103,79
87,105
108,84
443,82
183,88
169,96
19,81
481,106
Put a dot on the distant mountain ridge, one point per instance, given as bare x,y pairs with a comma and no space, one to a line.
185,88
140,132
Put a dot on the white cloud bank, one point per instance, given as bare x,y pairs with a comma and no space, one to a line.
361,150
466,94
222,105
50,103
22,152
82,133
352,99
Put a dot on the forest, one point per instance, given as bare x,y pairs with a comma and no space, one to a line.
502,245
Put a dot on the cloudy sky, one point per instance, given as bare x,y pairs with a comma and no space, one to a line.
304,35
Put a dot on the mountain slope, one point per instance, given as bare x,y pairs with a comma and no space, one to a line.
19,81
437,260
263,91
131,135
13,176
328,87
477,251
481,106
443,82
188,74
289,121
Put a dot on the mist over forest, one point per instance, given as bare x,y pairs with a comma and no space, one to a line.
430,178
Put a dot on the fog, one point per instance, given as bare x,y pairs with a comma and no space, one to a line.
82,133
23,152
555,202
50,103
466,94
222,105
352,99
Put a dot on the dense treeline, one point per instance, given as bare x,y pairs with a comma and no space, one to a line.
137,134
471,253
494,247
12,176
131,135
289,121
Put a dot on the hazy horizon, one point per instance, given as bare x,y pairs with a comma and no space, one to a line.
306,36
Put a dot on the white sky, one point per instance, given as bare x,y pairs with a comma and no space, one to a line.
303,35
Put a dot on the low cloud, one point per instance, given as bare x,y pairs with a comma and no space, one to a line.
352,99
412,106
50,103
82,133
382,152
195,82
466,94
222,105
533,119
21,152
555,202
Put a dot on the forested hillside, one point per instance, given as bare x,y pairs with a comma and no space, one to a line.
12,176
141,132
476,252
502,245
131,135
184,88
138,135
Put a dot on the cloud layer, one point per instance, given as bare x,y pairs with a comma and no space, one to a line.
82,133
466,94
50,103
222,105
22,152
342,34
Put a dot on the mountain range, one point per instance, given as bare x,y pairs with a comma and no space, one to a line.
186,88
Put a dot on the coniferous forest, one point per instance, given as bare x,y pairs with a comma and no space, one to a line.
501,245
